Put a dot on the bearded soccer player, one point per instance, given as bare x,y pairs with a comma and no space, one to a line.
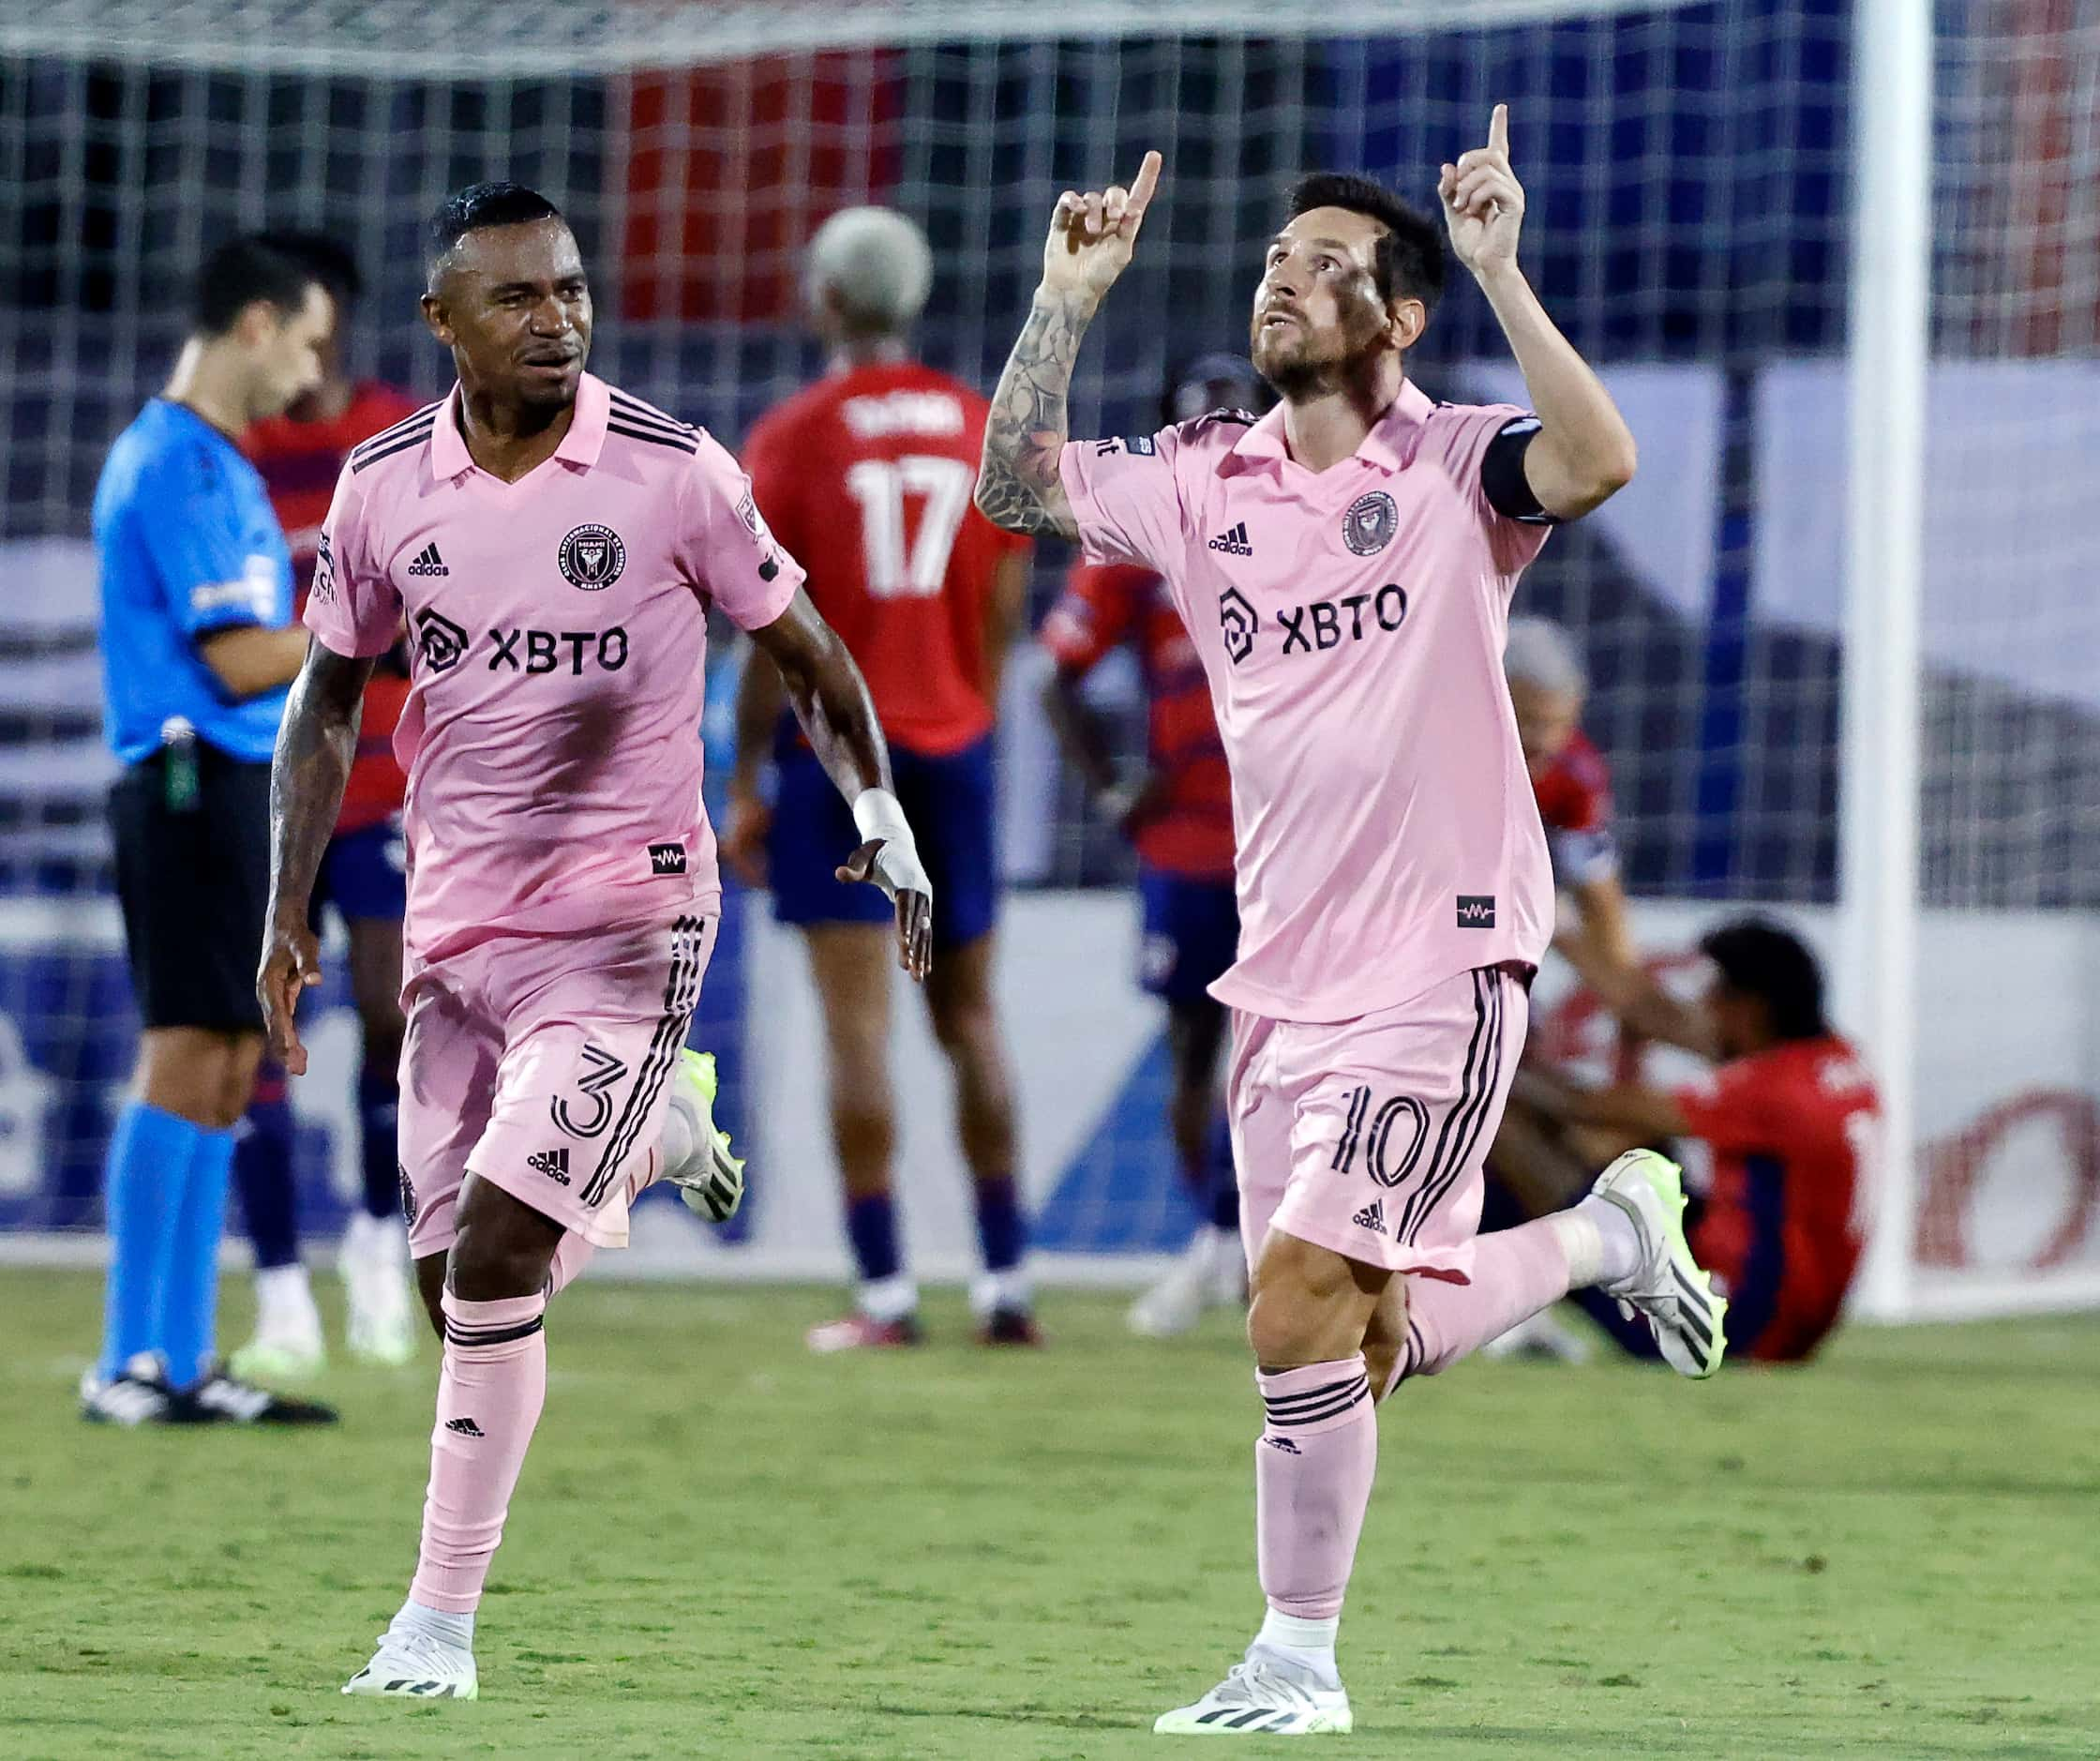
554,545
1394,892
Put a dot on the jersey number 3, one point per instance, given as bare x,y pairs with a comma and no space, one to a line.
880,486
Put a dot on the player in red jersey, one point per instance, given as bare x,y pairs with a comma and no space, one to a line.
1547,689
867,473
1178,815
1793,1123
299,455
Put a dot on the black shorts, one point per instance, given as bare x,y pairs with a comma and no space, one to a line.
194,886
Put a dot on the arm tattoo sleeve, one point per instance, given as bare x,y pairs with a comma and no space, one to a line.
315,746
1018,487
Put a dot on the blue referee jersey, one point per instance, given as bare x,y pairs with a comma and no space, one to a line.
187,546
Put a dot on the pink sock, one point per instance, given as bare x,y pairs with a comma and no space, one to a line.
1313,1468
1516,1272
490,1392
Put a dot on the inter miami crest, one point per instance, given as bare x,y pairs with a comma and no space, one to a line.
1369,525
592,558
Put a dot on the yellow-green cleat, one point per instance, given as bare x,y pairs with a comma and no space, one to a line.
1669,1288
710,1180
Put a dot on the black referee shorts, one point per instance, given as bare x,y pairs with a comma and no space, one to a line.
193,883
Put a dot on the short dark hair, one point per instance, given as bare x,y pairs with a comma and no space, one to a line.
498,203
253,266
1409,260
1765,959
327,261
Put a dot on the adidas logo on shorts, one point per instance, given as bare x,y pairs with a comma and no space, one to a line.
1372,1216
554,1164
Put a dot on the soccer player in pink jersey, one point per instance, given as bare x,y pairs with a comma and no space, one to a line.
554,546
1345,565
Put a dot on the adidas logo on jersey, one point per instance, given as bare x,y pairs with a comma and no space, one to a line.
464,1427
1372,1216
554,1164
428,562
1234,543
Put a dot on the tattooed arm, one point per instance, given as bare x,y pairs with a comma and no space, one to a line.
1092,237
315,746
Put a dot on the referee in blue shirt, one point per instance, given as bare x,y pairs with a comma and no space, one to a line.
198,647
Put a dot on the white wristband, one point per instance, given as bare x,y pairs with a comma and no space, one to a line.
876,813
897,869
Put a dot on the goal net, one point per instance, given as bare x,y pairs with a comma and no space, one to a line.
1687,169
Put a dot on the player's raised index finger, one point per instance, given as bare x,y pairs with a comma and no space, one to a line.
1498,130
1147,181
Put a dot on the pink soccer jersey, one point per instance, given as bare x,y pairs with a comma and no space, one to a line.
1351,622
557,629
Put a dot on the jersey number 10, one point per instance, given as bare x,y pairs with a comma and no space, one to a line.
880,486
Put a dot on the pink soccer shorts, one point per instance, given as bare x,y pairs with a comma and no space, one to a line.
1368,1136
544,1064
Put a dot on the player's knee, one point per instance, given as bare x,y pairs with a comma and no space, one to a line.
504,1249
1287,1327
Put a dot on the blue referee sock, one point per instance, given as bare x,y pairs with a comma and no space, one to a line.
189,1303
1002,1232
263,1172
144,1175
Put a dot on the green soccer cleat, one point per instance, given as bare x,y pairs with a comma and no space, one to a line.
1670,1289
710,1180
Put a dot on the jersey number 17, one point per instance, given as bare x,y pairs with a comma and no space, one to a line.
880,486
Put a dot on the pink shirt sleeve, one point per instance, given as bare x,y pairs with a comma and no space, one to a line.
352,607
1126,499
725,546
1460,433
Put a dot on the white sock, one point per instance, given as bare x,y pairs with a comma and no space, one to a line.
1310,1644
1600,1241
889,1298
992,1291
680,1138
455,1630
282,1294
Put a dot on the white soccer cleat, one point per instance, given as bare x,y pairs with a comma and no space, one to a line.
1669,1289
415,1666
1210,1273
1264,1697
710,1180
374,1264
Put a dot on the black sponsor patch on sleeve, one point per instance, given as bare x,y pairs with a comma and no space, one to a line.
1476,910
666,858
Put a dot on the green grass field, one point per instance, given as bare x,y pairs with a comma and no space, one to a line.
724,1548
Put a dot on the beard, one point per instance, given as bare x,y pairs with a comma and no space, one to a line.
1299,362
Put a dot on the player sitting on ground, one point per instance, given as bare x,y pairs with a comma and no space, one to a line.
1793,1121
1394,892
1178,814
554,545
867,473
